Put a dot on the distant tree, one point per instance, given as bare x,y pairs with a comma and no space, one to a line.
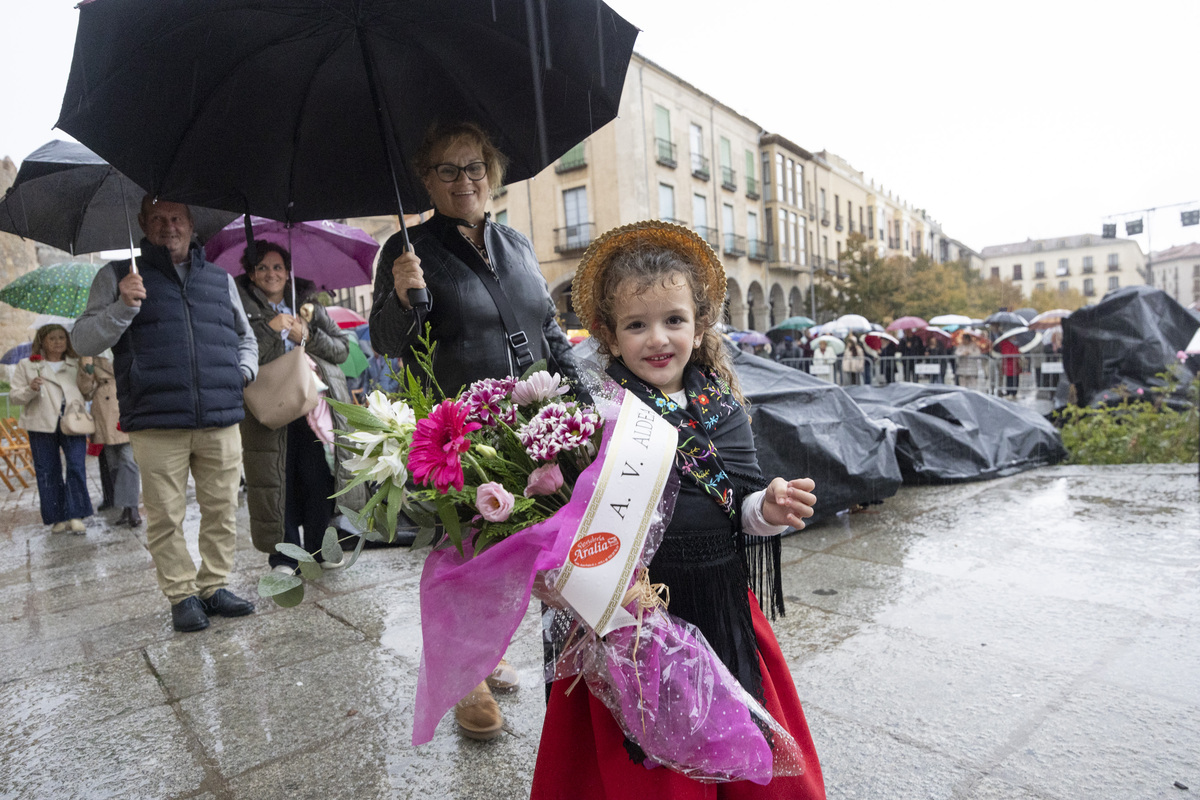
1046,299
862,283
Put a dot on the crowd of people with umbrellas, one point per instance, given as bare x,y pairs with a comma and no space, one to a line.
986,354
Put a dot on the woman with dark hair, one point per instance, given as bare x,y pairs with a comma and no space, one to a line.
491,314
46,384
288,475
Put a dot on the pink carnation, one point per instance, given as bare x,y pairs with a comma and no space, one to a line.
437,444
544,480
486,400
556,428
495,503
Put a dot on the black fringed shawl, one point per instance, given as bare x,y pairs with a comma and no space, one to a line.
705,558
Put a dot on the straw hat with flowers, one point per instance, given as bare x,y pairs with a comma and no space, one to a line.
648,233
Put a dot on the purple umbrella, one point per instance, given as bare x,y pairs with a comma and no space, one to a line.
17,353
331,255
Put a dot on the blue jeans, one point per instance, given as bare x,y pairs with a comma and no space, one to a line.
61,500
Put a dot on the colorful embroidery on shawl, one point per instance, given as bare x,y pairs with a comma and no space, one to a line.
710,401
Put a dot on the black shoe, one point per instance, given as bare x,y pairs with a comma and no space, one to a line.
124,518
188,615
227,604
132,517
105,506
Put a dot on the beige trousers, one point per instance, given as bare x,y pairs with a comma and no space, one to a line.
214,457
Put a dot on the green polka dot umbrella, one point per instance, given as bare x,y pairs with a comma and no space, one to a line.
59,289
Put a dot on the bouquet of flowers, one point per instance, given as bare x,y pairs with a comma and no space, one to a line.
499,458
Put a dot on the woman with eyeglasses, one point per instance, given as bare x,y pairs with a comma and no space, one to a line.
470,266
288,477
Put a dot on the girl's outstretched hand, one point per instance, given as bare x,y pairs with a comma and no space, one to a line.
789,502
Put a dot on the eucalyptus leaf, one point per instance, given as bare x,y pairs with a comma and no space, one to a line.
375,536
273,584
292,597
331,548
358,548
310,570
294,551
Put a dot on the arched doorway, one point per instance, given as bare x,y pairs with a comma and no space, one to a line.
735,307
795,302
778,311
756,308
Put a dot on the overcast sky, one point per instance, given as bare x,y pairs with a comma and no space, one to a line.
1006,120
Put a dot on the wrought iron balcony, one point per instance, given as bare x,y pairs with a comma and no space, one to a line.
852,226
709,235
757,250
673,221
574,237
666,153
825,218
735,245
728,179
752,188
839,226
1114,267
1088,269
700,168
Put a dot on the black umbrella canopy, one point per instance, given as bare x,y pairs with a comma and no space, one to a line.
68,197
1005,319
269,106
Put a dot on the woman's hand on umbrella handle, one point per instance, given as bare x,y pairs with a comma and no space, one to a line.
407,274
281,322
298,330
132,290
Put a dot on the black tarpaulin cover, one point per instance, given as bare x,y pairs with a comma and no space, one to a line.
805,427
1126,339
947,434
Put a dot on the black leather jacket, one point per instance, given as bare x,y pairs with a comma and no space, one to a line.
470,336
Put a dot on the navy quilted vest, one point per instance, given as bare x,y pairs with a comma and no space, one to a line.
177,363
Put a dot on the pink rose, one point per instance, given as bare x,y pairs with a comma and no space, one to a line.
546,479
494,502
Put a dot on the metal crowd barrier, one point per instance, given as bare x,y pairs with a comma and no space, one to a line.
1036,372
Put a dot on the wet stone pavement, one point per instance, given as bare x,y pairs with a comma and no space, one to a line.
1030,638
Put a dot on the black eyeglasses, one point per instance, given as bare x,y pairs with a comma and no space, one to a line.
448,173
270,268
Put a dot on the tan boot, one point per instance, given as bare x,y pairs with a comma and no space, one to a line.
503,678
477,714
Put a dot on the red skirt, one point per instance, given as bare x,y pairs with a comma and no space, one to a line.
582,755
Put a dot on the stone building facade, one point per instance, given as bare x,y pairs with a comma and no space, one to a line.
1088,262
1177,272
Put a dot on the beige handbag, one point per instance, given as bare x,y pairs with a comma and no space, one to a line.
76,421
284,390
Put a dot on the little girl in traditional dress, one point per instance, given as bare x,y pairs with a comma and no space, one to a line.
650,293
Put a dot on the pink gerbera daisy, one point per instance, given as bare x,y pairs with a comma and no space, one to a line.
437,444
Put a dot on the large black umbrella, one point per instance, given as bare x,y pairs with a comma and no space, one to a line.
306,109
68,197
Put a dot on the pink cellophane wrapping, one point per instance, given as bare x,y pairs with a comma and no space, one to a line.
471,604
673,697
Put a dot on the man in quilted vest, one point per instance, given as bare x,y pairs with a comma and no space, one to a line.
182,353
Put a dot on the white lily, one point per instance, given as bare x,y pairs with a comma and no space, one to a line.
391,463
359,464
387,412
369,440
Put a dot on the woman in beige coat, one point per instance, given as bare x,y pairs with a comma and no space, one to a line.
100,381
47,383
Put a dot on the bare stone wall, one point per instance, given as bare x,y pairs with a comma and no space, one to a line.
17,256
